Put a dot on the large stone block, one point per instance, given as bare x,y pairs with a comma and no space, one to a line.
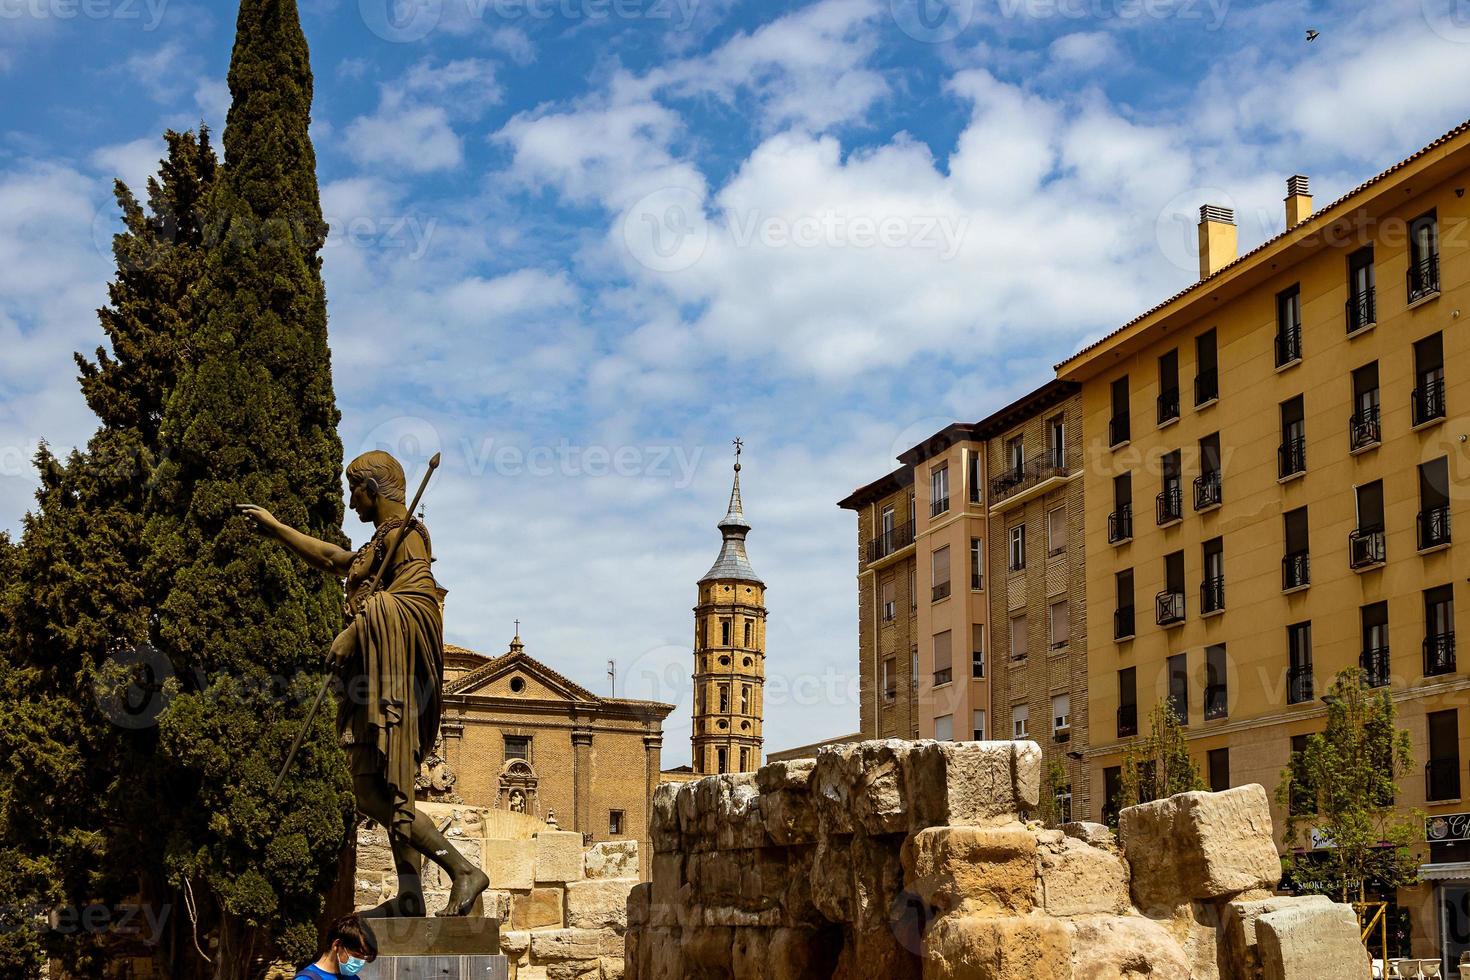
1199,846
509,864
1032,947
599,903
1308,942
611,859
972,783
859,788
640,898
787,808
1079,879
558,856
437,879
663,821
668,880
972,870
540,908
1238,925
559,945
374,852
1125,948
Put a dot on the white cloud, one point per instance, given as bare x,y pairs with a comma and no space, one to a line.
132,163
412,127
1085,49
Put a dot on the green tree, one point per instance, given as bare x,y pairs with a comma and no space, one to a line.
1342,786
1053,780
1158,764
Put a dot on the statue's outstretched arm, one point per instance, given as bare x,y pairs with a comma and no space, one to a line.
317,553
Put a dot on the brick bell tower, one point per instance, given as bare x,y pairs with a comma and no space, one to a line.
730,652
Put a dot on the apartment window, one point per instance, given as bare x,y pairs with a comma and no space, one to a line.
1061,717
1123,626
890,682
943,662
1112,793
1120,521
724,695
745,760
1428,396
1439,631
1442,771
1291,456
977,564
890,601
1058,623
1219,766
1015,457
1360,301
977,649
1206,369
1020,717
1288,326
914,669
1366,546
1169,387
615,823
745,699
1056,442
1208,486
1119,428
726,626
748,632
1434,503
1423,274
1127,702
1217,690
1299,663
1056,531
1212,588
1364,428
1296,566
1018,637
1374,658
913,589
1171,499
939,490
974,468
1016,555
722,757
977,720
1179,687
518,747
1169,604
939,568
944,728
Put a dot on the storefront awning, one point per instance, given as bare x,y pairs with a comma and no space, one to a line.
1445,872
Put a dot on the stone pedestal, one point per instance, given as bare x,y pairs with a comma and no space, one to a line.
458,948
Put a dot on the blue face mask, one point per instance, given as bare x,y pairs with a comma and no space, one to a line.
352,967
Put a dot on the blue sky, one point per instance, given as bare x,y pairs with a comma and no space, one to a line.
580,245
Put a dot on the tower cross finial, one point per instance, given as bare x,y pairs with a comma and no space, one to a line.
739,446
518,627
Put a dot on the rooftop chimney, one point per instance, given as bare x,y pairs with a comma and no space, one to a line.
1298,200
1217,247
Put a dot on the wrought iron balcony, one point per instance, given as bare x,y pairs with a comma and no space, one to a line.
1169,608
1288,346
1216,701
1429,400
1299,683
1291,457
1364,429
1361,310
1207,490
1120,524
977,665
1018,479
1168,405
1170,502
1439,654
943,676
1442,779
938,505
890,541
1061,734
1123,623
1206,386
1119,430
1434,527
890,693
1423,277
1366,547
1212,594
1296,570
1127,720
1374,664
940,591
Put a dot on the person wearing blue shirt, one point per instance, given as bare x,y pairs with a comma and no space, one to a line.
351,946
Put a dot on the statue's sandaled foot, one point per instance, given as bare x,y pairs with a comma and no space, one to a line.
462,894
402,906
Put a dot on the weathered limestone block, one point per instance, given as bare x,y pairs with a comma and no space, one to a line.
640,897
560,945
663,822
1094,834
1311,941
515,943
540,908
437,879
1107,947
798,907
374,853
859,788
497,905
973,870
611,859
971,783
600,903
558,856
1239,928
707,952
1199,846
787,808
748,954
796,954
611,967
1077,878
509,864
832,888
1032,947
720,811
668,880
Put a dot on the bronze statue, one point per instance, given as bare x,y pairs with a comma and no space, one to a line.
390,659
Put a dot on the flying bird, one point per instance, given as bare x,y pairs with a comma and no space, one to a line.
1312,35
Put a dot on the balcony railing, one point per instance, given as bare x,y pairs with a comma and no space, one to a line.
1170,503
977,582
977,665
1439,654
1291,457
1017,479
1216,698
890,541
1061,734
1360,310
938,505
1168,405
1120,524
1169,608
1423,277
1206,386
1298,683
1296,570
1374,663
1123,623
1365,547
1288,346
1434,527
1429,400
1212,594
1207,490
943,676
1127,720
1364,429
1442,779
890,693
1119,430
940,591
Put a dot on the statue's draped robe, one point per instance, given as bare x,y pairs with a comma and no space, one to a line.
393,684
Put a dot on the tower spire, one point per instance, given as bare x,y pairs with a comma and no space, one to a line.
733,563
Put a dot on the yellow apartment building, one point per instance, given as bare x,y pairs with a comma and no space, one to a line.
1275,465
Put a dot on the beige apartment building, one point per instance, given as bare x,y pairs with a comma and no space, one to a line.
1275,464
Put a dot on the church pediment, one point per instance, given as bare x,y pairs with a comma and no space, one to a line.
518,676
